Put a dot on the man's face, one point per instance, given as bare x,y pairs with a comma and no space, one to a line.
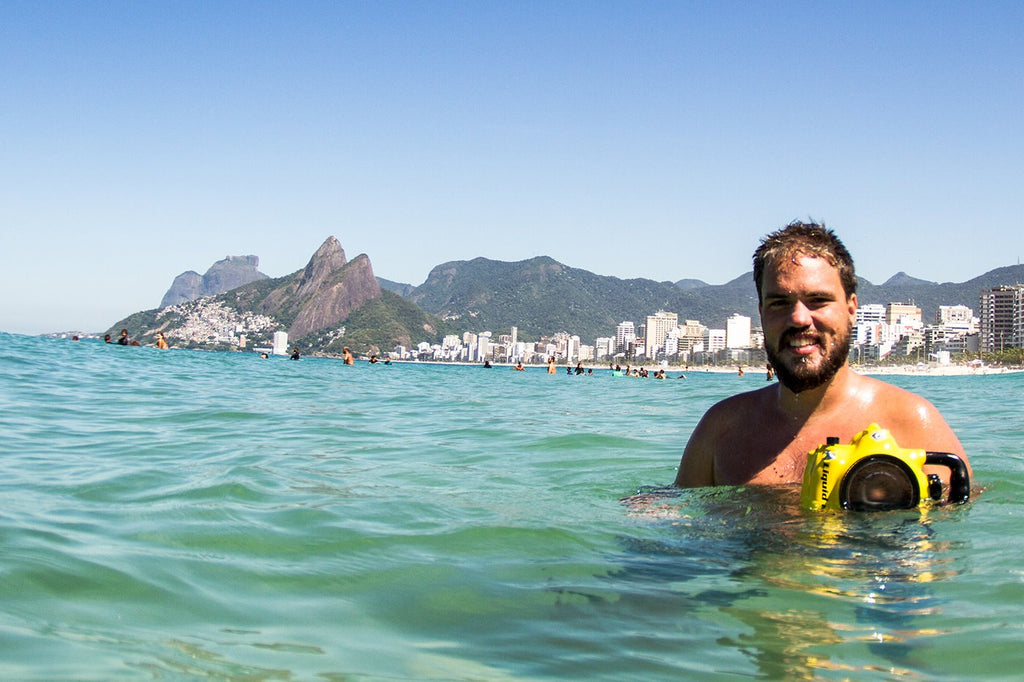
807,321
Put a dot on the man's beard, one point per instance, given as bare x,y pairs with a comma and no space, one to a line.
799,376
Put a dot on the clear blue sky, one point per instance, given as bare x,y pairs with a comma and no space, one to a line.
634,139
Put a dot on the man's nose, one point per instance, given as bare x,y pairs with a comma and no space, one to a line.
800,315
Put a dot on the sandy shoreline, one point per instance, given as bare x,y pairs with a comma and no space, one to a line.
675,370
940,370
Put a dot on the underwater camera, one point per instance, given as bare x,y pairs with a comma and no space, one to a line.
873,473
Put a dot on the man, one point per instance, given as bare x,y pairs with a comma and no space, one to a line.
807,300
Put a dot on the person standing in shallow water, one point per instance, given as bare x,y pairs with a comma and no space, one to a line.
347,356
807,301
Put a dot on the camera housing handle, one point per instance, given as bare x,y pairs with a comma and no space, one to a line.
959,477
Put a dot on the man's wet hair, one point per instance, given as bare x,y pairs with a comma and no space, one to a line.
804,239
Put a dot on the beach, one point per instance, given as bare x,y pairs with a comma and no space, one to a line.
673,371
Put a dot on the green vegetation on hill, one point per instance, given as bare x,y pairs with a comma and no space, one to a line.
253,297
380,325
541,297
141,325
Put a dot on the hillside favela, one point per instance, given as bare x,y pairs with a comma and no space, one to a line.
485,311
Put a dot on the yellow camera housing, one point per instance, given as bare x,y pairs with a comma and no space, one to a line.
873,473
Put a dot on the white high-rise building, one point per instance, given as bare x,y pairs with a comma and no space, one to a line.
871,326
280,346
954,315
625,334
737,331
483,346
871,313
657,328
716,340
572,349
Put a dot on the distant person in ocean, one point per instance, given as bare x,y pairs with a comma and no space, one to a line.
346,354
770,372
295,353
579,368
123,339
161,342
106,338
519,367
551,366
807,301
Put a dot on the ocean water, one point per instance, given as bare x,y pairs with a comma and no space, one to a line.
182,515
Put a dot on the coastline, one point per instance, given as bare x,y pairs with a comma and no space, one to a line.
870,370
939,370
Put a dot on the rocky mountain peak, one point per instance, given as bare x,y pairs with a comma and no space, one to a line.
224,275
902,279
327,260
328,296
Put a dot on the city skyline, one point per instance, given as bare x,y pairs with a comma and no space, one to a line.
895,328
642,140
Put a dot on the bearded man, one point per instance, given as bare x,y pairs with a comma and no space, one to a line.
807,301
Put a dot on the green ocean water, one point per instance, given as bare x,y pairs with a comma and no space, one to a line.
182,515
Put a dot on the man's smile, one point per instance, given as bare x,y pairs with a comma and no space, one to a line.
802,344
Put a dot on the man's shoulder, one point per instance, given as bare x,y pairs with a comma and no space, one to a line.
880,390
746,398
738,407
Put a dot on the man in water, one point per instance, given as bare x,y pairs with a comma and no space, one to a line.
807,300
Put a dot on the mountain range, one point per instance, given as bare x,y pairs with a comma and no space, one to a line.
224,275
333,301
